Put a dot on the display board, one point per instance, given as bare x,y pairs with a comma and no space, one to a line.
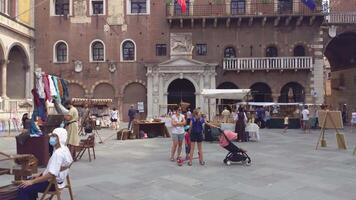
334,116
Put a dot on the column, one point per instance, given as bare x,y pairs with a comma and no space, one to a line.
248,6
149,96
228,7
155,94
4,78
29,82
161,106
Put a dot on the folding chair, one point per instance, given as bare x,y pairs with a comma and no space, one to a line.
84,145
57,191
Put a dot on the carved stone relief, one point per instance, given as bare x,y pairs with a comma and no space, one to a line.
80,12
181,44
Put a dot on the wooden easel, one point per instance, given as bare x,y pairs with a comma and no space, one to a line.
339,137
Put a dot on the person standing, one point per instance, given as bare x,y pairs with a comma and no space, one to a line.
189,116
114,117
57,167
305,117
132,114
286,122
241,125
196,136
178,123
72,127
225,114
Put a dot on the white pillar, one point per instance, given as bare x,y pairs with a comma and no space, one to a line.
155,95
4,79
318,77
149,96
161,105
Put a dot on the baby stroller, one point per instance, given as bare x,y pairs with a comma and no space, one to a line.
235,154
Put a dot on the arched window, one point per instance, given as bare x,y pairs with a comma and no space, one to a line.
128,51
61,52
229,52
238,7
271,51
299,51
97,51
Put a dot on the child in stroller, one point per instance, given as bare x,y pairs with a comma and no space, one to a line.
235,154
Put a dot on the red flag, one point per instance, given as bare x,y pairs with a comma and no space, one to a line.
183,5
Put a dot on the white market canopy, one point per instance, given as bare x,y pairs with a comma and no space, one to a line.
236,94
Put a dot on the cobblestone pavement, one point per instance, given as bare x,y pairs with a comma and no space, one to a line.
285,167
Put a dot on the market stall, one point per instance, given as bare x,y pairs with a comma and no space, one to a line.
236,94
97,109
34,138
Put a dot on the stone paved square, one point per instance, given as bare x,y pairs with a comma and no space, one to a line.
283,167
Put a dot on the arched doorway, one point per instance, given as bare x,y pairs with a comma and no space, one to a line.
226,102
181,90
104,91
261,92
292,92
16,73
76,90
134,93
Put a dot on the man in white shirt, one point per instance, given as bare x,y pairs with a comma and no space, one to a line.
57,167
305,116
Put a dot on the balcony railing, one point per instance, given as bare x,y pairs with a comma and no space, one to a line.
342,18
267,64
242,9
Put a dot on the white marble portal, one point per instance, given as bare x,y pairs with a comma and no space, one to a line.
202,75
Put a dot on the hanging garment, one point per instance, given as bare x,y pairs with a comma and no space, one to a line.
60,87
40,85
36,98
65,90
47,89
55,83
52,88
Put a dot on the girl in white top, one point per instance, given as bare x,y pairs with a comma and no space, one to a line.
178,123
114,118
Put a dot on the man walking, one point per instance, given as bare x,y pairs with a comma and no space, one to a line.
132,113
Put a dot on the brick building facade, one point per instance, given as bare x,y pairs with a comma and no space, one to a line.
130,50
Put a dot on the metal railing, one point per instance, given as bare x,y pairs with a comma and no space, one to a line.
342,18
267,63
242,9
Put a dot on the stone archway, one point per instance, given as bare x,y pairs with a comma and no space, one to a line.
76,90
261,92
17,67
104,91
341,55
292,92
341,51
134,93
181,90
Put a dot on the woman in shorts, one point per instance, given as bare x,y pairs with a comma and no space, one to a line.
178,123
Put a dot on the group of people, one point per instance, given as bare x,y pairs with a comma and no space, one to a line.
191,124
